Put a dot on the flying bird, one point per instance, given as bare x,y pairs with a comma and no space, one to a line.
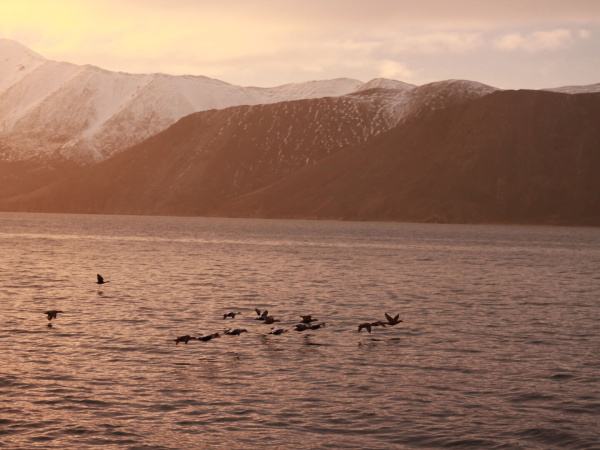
208,337
271,319
261,314
101,280
184,339
52,314
235,331
368,325
393,320
277,331
308,319
231,314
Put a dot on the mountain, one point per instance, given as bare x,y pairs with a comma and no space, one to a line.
56,116
502,157
81,139
508,157
211,156
86,114
576,89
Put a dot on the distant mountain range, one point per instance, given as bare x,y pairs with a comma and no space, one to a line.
85,140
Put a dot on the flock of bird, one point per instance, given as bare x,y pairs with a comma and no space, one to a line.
263,315
305,324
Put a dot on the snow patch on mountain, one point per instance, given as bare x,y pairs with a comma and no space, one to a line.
86,113
587,89
384,83
16,61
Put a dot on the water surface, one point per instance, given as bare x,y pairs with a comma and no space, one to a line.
499,348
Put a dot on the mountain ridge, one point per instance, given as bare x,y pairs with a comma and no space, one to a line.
505,157
80,139
86,113
509,157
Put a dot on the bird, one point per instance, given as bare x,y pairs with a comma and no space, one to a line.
316,326
235,331
231,314
208,337
366,326
100,279
261,314
184,339
301,327
52,313
277,331
308,319
393,320
271,319
369,325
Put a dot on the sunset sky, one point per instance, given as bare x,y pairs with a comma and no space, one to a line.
504,43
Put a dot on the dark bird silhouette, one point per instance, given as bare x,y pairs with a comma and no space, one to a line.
231,314
302,326
235,331
277,331
271,319
393,320
208,337
261,314
184,339
100,279
52,314
368,325
308,319
316,326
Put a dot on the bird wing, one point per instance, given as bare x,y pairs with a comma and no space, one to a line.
388,317
100,279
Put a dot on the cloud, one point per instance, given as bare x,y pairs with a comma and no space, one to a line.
536,41
268,42
395,70
439,42
584,34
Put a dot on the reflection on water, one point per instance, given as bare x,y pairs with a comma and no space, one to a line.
499,345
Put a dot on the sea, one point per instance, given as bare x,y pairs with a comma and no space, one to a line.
499,344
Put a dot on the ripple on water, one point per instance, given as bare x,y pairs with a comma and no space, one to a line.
498,348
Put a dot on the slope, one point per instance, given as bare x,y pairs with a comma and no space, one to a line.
508,157
212,156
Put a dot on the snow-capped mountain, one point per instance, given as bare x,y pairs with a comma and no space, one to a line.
86,113
85,140
507,157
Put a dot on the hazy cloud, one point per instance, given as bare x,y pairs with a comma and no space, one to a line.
454,42
584,34
271,42
536,41
395,70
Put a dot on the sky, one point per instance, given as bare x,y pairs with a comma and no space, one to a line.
508,44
